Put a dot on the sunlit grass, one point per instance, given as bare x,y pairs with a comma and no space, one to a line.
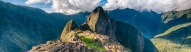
174,45
164,45
174,28
92,44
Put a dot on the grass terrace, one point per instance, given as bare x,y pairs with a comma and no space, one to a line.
92,43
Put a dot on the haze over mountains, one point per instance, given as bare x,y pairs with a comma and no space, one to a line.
22,27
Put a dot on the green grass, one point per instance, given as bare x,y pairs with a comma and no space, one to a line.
174,28
171,44
92,44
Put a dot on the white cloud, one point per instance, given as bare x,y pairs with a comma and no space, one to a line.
158,6
37,1
70,6
76,6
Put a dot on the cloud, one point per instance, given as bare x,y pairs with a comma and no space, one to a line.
158,6
70,6
37,1
76,6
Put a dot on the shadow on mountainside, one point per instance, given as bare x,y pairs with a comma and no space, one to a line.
173,22
181,36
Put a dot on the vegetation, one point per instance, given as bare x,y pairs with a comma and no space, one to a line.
166,17
92,44
174,28
175,39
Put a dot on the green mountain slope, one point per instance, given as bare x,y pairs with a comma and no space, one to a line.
174,35
175,39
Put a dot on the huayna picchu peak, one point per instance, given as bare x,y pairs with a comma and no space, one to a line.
98,21
99,33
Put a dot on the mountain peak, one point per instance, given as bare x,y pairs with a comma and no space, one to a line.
98,9
70,26
98,20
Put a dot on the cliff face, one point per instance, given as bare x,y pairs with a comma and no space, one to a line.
99,21
132,38
129,36
146,22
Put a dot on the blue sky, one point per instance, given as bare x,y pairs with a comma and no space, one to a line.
76,6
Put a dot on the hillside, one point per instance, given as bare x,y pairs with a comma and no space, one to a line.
175,39
174,35
22,27
146,22
173,18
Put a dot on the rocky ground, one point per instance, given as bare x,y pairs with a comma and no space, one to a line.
58,46
76,44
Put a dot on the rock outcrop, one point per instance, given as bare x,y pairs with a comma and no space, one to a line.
99,21
66,36
70,26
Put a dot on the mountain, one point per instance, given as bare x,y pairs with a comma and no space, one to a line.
22,27
69,42
146,22
70,26
100,32
173,15
174,35
174,18
73,39
124,33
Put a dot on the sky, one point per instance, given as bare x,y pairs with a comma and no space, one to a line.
75,6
